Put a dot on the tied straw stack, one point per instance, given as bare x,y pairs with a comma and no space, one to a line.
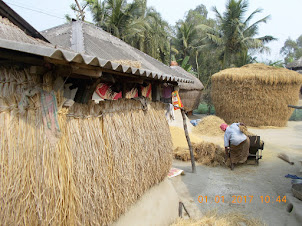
255,94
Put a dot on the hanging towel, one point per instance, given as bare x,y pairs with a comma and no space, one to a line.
50,116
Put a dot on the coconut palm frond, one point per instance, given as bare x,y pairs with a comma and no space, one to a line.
214,39
267,38
251,16
263,20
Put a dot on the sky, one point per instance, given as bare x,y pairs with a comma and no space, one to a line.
285,22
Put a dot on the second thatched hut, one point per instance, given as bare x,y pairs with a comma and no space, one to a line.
190,94
255,94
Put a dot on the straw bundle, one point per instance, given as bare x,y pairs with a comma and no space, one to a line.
255,94
130,63
209,126
228,219
108,155
244,130
209,154
183,154
206,153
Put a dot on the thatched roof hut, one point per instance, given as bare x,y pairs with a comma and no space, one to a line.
255,94
296,65
190,93
64,160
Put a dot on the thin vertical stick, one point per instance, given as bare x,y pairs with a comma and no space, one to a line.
188,140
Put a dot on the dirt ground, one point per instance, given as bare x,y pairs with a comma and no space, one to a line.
266,179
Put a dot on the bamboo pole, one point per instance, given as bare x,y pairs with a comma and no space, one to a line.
188,140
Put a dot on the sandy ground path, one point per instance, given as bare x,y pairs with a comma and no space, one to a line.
248,181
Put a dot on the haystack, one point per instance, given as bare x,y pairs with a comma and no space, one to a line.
255,94
209,126
102,163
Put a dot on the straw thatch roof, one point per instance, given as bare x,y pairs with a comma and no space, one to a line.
256,94
296,65
9,31
197,85
261,72
91,40
16,19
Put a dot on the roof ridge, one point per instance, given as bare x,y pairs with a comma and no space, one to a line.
77,37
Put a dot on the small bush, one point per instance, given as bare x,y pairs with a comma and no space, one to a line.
203,109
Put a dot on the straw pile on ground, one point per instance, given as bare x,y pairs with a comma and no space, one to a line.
255,94
183,154
209,154
206,148
179,138
209,126
103,162
206,153
212,218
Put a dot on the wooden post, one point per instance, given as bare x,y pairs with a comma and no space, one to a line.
180,206
124,90
180,210
188,140
139,90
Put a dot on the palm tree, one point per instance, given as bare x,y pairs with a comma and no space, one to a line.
186,37
134,23
117,17
157,35
98,12
235,36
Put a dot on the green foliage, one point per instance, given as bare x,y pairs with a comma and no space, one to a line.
292,50
201,45
203,108
190,41
184,63
278,63
234,36
68,18
135,23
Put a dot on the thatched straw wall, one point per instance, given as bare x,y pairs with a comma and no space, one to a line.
107,156
255,94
